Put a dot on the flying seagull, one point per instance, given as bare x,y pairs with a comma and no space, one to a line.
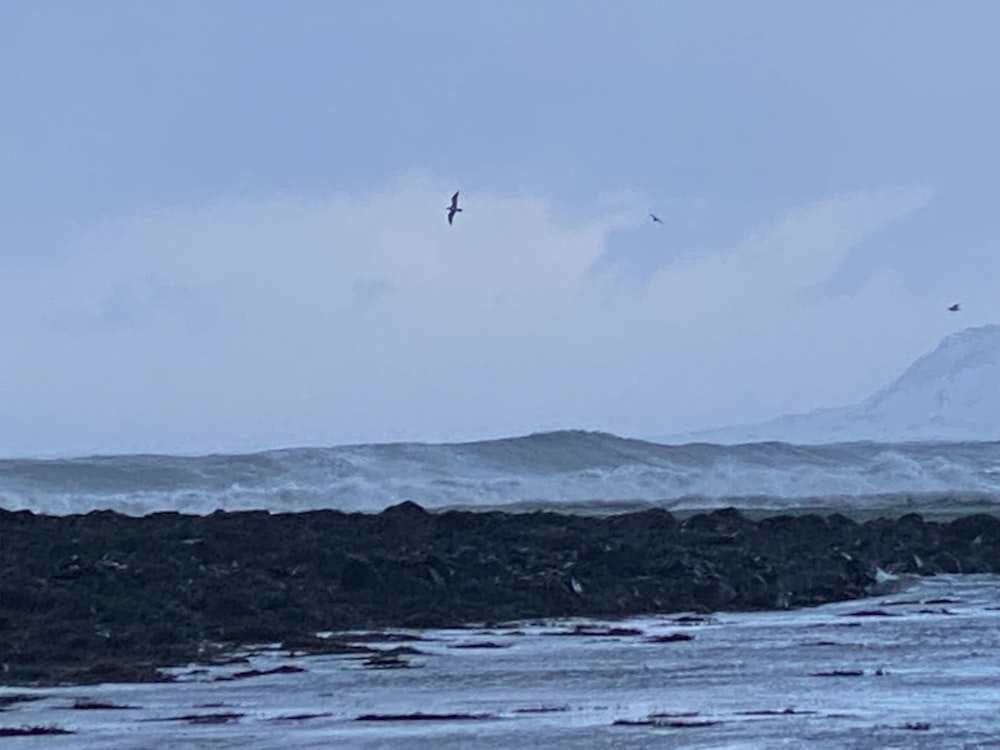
655,218
954,308
453,208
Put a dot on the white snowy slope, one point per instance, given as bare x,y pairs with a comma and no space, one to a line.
951,393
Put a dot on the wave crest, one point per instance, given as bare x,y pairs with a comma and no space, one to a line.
546,469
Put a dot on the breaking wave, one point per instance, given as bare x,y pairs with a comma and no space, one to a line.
570,469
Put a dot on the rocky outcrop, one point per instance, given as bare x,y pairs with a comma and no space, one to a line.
109,597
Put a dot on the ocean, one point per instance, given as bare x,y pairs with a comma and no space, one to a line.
914,666
571,470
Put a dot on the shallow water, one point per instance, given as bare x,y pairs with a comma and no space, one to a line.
930,678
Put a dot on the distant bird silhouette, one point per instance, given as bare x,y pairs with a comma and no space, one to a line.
955,308
655,218
453,208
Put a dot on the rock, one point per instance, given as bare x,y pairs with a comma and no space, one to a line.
105,597
32,731
670,638
424,717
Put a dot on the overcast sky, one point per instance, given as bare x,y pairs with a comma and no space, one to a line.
222,223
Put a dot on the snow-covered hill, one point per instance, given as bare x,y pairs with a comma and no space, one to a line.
952,393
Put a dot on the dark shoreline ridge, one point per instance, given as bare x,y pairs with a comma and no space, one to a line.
105,597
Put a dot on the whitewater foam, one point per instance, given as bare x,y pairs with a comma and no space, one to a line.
547,470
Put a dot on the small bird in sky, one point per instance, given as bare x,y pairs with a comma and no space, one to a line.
656,219
954,308
453,208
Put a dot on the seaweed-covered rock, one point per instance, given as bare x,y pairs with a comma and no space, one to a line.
120,595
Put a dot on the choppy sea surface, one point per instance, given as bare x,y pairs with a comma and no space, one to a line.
917,668
572,470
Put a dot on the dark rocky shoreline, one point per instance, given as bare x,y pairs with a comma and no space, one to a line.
107,597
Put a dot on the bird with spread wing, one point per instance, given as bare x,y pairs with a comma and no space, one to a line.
453,208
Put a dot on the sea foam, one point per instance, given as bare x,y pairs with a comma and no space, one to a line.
558,469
